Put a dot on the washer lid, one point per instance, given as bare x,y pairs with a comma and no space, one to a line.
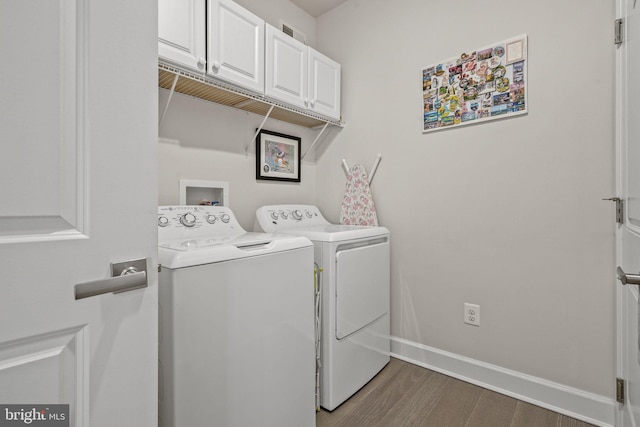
179,253
241,239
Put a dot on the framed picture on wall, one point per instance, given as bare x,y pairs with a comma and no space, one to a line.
277,156
476,86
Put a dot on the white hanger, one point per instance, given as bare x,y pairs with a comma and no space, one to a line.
371,174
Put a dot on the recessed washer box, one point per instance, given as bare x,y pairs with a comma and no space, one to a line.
202,192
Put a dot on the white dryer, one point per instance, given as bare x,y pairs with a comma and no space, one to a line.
237,343
355,286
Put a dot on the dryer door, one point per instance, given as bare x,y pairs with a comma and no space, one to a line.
362,285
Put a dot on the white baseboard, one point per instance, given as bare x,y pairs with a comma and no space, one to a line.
168,141
575,403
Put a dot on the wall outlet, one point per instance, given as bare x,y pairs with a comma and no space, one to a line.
472,314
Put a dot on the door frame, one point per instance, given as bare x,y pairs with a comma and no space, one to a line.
620,307
620,121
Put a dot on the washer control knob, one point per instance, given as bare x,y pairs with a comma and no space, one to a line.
308,214
284,215
211,219
163,221
225,218
297,215
188,219
274,215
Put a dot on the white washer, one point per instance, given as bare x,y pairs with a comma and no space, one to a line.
236,323
355,278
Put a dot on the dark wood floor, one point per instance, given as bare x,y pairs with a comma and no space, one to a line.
408,395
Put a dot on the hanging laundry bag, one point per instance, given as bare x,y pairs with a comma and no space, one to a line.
357,204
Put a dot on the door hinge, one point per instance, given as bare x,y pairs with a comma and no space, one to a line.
618,32
619,390
619,208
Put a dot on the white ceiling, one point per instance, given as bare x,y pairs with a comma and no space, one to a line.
316,8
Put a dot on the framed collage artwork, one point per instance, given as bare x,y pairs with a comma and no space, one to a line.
485,84
277,156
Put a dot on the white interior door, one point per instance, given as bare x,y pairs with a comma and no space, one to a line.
628,64
78,131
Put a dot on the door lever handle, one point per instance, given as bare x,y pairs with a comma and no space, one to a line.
628,279
125,276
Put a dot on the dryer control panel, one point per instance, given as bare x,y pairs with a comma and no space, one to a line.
175,222
280,217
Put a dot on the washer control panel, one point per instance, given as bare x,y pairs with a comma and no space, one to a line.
280,217
179,221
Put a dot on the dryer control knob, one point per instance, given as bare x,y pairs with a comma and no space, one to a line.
225,218
297,215
309,214
188,219
274,215
211,219
284,215
163,221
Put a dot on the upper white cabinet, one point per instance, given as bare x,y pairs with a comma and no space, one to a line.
235,45
181,32
300,75
324,84
219,51
287,65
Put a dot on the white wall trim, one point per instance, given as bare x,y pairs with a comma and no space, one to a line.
584,406
168,141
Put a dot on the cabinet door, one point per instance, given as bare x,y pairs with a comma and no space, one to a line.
181,33
324,85
286,68
235,50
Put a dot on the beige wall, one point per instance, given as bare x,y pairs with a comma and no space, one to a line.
506,214
208,142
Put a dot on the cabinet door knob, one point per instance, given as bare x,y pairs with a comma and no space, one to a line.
201,63
215,66
313,103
